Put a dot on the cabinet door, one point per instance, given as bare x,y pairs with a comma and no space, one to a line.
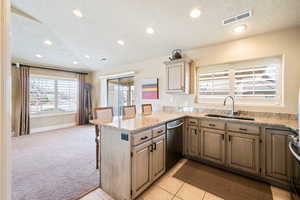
213,145
194,140
277,156
158,157
141,167
243,152
175,76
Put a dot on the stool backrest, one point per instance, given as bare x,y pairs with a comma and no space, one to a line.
146,109
129,111
103,113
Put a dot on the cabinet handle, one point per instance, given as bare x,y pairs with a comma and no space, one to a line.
223,137
243,129
229,138
192,122
160,131
144,138
213,125
195,132
154,149
151,148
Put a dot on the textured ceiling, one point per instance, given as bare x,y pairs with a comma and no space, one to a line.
105,22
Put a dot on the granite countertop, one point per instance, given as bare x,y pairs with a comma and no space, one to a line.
141,122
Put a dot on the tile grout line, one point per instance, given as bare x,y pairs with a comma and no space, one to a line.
169,191
204,195
165,190
179,190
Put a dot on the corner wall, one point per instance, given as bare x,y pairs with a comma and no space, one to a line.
285,42
5,101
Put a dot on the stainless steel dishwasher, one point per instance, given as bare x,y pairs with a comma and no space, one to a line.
174,140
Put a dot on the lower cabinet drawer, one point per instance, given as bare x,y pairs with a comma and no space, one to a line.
213,124
193,122
141,137
157,131
243,128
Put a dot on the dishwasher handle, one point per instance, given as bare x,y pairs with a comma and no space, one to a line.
172,127
293,152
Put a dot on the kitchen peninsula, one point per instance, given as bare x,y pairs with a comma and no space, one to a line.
133,151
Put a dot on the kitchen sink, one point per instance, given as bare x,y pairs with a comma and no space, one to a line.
230,117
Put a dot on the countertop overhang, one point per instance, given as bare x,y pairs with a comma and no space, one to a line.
141,122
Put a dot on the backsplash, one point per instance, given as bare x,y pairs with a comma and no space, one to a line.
282,116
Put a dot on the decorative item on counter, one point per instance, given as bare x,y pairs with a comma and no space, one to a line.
150,89
176,54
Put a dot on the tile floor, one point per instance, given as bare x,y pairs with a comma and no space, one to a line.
170,188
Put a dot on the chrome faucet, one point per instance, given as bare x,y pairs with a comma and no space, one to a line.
232,110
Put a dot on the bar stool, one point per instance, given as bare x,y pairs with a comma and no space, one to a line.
146,109
105,114
129,112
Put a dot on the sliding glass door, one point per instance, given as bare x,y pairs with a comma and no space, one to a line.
120,92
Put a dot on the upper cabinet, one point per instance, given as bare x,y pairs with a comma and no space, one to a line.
178,76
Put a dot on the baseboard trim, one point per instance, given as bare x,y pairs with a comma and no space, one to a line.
50,128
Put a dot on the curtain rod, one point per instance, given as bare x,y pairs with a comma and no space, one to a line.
49,68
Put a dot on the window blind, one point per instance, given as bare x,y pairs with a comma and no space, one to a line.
250,82
215,84
256,82
49,95
42,95
66,95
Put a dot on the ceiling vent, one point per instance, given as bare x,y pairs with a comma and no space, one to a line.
237,18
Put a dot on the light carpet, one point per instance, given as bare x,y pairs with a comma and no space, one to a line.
55,165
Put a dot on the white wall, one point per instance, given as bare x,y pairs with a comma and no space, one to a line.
284,42
5,98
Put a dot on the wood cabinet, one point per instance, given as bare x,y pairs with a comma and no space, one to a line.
213,145
194,141
131,161
158,157
178,76
148,163
243,152
278,159
141,167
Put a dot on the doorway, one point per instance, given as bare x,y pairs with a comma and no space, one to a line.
120,92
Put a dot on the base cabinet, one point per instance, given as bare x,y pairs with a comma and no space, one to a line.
194,141
213,145
277,156
141,167
148,163
158,157
243,152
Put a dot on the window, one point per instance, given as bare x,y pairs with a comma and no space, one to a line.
52,95
214,84
255,82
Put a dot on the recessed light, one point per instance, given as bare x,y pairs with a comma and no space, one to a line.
120,42
195,13
150,30
77,13
240,28
48,42
38,56
87,56
75,62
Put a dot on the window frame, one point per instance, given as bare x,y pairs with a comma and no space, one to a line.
56,112
239,65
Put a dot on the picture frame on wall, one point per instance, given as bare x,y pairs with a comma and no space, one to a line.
150,89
